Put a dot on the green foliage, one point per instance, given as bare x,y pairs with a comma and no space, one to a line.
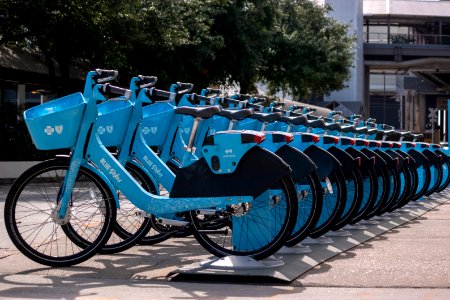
290,44
310,53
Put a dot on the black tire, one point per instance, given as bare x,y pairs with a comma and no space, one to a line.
222,242
131,228
31,200
354,184
310,201
445,175
333,204
370,192
436,178
423,180
383,191
393,189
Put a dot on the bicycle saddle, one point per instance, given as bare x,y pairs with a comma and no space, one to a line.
347,128
236,114
371,131
332,126
361,130
203,112
319,123
298,120
267,118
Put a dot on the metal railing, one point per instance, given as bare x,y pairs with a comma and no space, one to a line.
411,39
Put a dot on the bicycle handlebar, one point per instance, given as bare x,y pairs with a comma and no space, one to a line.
158,93
104,76
147,81
111,89
184,87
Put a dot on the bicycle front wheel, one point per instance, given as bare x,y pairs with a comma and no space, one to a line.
30,206
257,229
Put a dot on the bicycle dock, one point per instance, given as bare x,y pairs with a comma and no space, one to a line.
286,268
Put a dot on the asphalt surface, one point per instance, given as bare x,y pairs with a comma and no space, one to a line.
411,261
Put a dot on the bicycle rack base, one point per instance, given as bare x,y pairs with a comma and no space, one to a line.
356,227
321,240
297,249
241,263
291,267
369,222
340,232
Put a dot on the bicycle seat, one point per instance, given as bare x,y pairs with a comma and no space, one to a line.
332,126
409,144
361,130
267,118
236,114
298,120
203,112
418,136
347,128
319,123
371,131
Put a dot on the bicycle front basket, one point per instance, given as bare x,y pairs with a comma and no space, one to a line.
55,124
156,120
112,121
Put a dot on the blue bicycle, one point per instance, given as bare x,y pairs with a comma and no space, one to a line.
62,211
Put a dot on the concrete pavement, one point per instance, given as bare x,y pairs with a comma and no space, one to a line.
411,261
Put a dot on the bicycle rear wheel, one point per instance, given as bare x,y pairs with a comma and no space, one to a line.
310,201
29,221
334,200
257,229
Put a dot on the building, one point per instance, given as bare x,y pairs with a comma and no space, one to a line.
401,74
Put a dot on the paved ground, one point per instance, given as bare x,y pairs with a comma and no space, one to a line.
409,262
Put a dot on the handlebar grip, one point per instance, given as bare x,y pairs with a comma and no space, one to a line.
336,113
201,98
257,99
214,91
277,104
105,75
111,89
184,88
159,93
147,81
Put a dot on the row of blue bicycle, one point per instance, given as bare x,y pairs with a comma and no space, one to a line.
244,179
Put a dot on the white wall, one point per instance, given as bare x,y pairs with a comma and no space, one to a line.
351,11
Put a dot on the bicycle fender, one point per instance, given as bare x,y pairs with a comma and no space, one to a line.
390,161
147,173
364,161
345,158
433,158
418,157
98,173
379,161
325,161
257,170
299,162
444,155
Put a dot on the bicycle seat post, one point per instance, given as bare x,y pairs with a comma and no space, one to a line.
190,146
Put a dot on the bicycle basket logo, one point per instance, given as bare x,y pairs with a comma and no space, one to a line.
58,129
228,151
101,130
147,130
49,130
109,128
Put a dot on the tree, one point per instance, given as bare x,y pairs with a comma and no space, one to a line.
310,53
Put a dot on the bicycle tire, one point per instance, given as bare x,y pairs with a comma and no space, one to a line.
310,199
333,204
354,184
271,235
43,183
445,176
370,192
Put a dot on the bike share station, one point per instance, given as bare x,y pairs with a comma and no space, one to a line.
322,185
290,263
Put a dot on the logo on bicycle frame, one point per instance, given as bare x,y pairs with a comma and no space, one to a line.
49,130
